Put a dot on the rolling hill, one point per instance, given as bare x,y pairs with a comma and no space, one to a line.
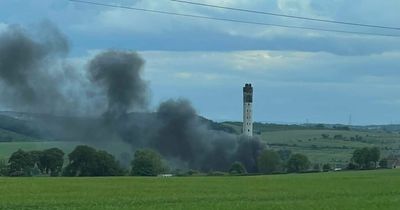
321,143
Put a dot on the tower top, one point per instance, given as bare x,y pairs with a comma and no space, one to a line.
247,88
247,110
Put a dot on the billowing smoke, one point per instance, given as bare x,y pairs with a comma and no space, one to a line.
118,73
24,68
35,81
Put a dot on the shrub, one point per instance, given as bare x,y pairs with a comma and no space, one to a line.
326,167
237,168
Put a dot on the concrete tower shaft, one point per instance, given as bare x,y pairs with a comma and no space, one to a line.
248,110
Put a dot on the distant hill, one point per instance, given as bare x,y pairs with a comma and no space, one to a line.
18,126
322,143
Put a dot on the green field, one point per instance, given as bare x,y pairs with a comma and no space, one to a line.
296,138
330,150
378,190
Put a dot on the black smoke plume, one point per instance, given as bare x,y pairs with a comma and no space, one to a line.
38,78
24,68
119,75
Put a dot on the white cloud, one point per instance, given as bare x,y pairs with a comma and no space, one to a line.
272,67
183,75
3,27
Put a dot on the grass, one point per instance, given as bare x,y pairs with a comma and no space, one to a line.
10,136
368,190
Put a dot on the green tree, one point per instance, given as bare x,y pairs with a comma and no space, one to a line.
374,155
298,163
35,157
269,161
3,167
106,165
86,161
82,161
147,162
237,168
20,163
360,156
366,157
51,161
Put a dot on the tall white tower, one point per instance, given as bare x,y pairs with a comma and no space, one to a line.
247,110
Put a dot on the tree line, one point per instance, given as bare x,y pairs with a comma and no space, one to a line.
87,161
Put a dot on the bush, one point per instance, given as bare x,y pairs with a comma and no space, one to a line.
216,173
192,172
326,167
237,168
351,166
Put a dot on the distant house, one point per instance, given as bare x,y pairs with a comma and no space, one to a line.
165,175
393,162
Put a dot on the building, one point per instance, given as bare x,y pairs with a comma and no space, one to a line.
247,110
393,162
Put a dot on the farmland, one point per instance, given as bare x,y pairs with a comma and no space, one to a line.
327,145
378,189
337,145
321,143
307,141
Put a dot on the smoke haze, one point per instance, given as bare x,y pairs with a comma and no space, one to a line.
37,78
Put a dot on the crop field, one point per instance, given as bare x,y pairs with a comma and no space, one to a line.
336,147
378,189
336,151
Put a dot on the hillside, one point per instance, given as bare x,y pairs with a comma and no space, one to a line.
321,143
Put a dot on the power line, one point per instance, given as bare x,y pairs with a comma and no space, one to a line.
286,16
231,20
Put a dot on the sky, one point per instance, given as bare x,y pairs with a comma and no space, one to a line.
298,75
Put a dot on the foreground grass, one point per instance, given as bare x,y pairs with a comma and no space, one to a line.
340,190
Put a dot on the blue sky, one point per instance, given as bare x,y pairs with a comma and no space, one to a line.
298,75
